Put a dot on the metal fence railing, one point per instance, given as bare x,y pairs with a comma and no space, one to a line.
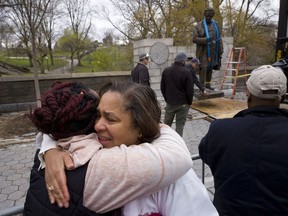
12,210
197,157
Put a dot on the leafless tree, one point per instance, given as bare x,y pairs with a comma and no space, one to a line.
48,26
240,17
30,15
158,18
80,15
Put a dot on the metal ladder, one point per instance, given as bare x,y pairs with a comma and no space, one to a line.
234,65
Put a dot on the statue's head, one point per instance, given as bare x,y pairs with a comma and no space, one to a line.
208,14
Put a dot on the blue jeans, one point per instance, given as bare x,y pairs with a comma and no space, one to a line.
181,112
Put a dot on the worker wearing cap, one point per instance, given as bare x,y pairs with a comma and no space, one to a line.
140,73
193,65
247,154
177,89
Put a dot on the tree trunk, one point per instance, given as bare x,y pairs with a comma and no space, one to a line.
35,71
30,59
72,59
50,51
79,57
42,65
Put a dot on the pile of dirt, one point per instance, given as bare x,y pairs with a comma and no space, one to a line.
14,125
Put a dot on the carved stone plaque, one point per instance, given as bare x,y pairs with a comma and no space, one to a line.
159,53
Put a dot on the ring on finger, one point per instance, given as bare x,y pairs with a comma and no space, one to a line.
50,188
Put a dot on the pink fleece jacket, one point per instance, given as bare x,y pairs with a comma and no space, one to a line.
118,175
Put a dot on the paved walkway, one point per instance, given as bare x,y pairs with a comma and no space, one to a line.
16,161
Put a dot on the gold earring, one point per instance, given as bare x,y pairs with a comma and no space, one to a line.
140,136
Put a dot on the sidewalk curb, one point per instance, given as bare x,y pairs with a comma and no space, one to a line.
20,140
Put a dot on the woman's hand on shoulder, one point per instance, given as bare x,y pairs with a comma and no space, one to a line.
56,161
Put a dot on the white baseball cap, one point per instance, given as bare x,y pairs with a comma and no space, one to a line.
143,56
267,82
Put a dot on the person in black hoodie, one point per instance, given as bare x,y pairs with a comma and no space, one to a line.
177,90
68,109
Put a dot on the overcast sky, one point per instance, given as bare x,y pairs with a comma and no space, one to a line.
100,24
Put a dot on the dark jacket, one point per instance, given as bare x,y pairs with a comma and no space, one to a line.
140,74
177,85
37,202
248,157
194,77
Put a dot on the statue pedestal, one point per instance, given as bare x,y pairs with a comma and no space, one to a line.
210,94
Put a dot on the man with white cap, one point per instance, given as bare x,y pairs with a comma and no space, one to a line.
247,154
140,73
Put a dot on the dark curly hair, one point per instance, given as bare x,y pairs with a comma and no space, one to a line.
68,109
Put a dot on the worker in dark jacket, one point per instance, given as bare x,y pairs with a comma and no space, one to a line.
247,154
140,73
192,65
177,90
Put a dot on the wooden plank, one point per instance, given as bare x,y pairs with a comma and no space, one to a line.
219,107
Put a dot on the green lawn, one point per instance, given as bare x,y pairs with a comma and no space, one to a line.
58,63
20,62
24,62
86,67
